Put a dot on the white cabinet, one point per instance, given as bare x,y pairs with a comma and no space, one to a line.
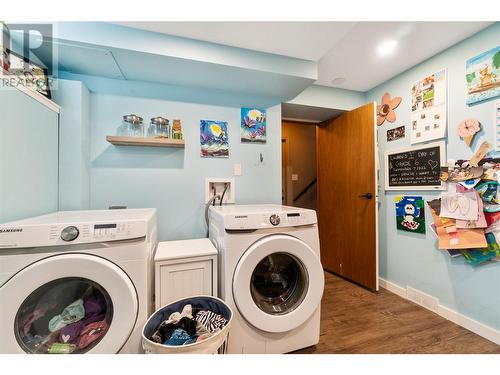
184,269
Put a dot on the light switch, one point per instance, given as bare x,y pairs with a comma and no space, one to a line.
237,169
295,177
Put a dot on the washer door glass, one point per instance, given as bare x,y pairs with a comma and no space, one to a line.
69,303
279,283
67,315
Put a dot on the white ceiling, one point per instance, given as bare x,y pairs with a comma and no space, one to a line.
356,59
302,40
343,49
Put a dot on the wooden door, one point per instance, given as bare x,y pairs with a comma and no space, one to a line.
347,190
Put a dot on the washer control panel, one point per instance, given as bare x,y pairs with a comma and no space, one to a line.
289,218
70,233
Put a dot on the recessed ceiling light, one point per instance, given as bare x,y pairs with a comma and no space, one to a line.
387,47
338,80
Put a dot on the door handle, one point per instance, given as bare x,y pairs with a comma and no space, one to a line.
366,196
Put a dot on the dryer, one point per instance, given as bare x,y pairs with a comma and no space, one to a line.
270,274
76,281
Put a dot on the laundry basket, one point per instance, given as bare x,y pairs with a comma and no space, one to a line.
216,344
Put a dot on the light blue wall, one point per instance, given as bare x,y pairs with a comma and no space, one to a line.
409,259
74,144
173,180
28,157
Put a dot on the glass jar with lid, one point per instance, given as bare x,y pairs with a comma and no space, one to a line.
158,127
131,126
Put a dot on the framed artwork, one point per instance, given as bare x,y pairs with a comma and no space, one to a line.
415,168
482,75
428,108
29,74
396,133
214,140
410,214
253,125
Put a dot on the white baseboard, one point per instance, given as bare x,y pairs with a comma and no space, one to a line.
391,287
432,303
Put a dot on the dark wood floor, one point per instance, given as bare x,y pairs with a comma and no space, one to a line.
355,320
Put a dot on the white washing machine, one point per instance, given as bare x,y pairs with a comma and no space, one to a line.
270,274
76,281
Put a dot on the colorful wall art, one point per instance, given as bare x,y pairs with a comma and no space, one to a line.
385,111
253,125
214,139
482,74
428,108
396,133
410,214
497,126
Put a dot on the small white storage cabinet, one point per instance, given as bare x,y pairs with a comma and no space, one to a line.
184,269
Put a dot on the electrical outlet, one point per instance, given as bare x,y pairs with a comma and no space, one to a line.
214,186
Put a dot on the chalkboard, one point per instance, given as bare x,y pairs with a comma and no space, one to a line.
415,168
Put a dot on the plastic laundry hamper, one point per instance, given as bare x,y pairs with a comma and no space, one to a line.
217,344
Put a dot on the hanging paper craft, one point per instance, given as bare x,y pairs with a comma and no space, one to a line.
459,174
459,206
481,220
479,154
428,108
253,125
385,111
497,126
396,133
213,139
410,214
483,76
449,236
476,257
467,129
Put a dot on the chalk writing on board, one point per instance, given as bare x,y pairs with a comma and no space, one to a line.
415,167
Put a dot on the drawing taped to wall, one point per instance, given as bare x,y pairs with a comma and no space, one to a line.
410,214
428,108
214,140
482,74
396,133
253,125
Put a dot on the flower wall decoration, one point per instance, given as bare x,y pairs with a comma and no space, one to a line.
385,111
467,129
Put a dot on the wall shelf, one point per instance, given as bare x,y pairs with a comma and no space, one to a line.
145,142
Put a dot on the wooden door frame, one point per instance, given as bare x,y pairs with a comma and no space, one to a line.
377,188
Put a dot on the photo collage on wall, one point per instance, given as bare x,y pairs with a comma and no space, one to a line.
428,108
